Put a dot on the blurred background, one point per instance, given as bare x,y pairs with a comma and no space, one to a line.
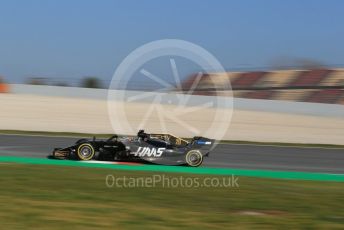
273,54
279,50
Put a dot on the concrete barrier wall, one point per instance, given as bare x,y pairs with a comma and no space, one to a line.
302,108
41,112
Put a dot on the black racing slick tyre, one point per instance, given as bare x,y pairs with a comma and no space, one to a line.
194,158
85,152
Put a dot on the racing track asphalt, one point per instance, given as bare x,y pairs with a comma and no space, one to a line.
243,156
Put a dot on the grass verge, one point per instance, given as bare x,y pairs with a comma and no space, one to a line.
48,197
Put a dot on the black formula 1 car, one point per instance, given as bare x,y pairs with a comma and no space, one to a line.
164,149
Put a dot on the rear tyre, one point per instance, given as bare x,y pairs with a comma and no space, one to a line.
85,152
194,158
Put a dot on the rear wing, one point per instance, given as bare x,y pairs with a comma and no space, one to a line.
202,142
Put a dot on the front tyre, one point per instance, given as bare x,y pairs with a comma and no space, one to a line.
85,152
194,158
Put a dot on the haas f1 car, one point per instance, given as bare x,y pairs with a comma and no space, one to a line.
164,149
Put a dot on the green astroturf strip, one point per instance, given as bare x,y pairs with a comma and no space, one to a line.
181,169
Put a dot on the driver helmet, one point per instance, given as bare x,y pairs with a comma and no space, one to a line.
141,134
